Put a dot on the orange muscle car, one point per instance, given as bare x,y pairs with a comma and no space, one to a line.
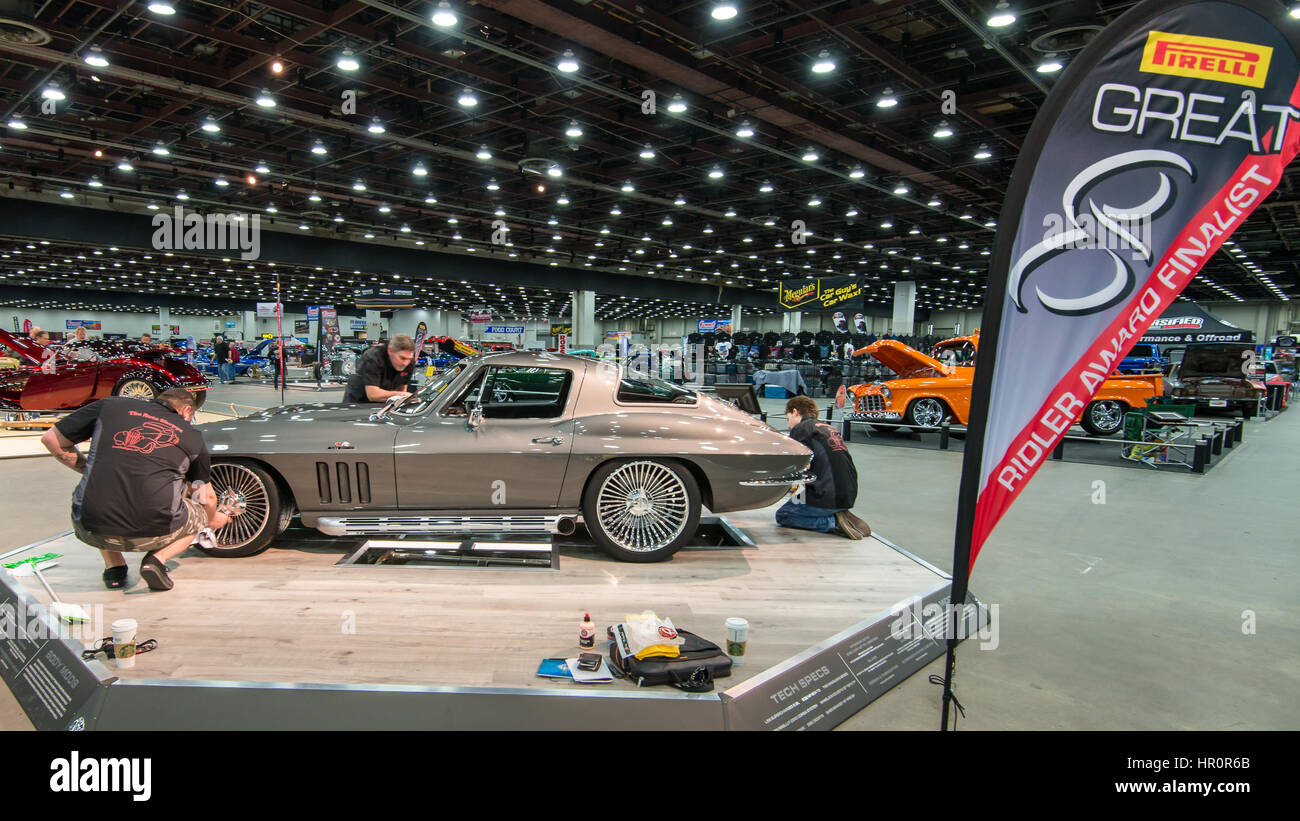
931,389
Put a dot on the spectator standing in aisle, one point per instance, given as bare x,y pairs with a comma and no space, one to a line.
221,356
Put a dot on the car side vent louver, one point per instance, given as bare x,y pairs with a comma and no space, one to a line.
345,482
363,483
323,481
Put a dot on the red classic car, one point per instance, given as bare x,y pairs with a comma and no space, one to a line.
78,373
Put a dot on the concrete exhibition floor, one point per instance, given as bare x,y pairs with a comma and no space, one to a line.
1122,615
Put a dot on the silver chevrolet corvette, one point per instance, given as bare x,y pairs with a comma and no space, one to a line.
509,442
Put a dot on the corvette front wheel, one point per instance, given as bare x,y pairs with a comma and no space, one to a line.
258,512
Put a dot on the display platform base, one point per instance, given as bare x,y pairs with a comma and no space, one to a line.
290,640
1198,454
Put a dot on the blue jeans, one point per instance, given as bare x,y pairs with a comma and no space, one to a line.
226,371
807,517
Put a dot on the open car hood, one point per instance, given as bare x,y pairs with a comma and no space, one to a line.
28,350
903,360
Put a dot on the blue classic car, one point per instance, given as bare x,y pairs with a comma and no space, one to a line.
1144,358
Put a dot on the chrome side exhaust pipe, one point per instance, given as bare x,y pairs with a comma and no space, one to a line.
566,526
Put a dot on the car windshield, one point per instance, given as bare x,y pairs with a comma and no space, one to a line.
420,401
1142,350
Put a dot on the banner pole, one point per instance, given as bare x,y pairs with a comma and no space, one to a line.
279,332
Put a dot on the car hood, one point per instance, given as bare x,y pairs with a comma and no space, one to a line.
904,360
32,353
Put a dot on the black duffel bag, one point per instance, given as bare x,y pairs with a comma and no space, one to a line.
697,664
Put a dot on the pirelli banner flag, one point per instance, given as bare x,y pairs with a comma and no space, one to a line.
815,294
1168,130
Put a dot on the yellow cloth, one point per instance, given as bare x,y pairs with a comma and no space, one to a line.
670,651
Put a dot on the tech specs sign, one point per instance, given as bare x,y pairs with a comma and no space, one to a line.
1158,124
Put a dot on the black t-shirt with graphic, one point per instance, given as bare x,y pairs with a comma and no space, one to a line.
375,368
141,455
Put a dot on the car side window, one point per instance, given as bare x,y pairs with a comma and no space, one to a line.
521,392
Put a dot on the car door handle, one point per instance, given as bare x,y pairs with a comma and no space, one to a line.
548,440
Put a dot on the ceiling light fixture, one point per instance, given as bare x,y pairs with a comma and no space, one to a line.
163,7
943,132
810,156
160,149
419,170
574,130
715,173
375,127
677,105
901,190
983,153
1002,15
568,63
318,148
824,63
265,100
467,99
95,57
483,153
17,124
745,131
124,165
1050,65
210,125
724,10
443,16
347,60
887,99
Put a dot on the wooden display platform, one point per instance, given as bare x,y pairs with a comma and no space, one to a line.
293,615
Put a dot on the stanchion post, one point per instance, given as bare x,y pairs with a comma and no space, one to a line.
1240,430
1058,452
1200,455
1216,444
943,436
846,430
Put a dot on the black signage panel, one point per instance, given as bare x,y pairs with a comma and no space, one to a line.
384,297
822,688
54,686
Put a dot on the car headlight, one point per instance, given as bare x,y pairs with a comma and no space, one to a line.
884,391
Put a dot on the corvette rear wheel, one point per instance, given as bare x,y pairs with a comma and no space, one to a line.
259,515
1103,417
641,510
136,388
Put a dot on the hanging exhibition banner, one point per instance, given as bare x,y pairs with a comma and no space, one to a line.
712,326
561,330
384,297
267,310
1158,142
826,292
329,334
421,332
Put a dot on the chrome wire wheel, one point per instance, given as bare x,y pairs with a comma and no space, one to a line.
242,493
137,389
928,412
643,506
1106,415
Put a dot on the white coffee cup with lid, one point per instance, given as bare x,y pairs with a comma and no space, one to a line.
124,642
737,639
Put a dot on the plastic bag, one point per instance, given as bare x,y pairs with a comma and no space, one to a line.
650,636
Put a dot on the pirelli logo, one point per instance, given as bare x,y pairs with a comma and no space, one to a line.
1206,58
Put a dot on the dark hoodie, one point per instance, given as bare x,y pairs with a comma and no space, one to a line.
836,486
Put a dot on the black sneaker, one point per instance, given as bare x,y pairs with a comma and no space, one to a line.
154,573
115,577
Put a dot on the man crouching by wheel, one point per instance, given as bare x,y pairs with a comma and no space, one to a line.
143,457
835,488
